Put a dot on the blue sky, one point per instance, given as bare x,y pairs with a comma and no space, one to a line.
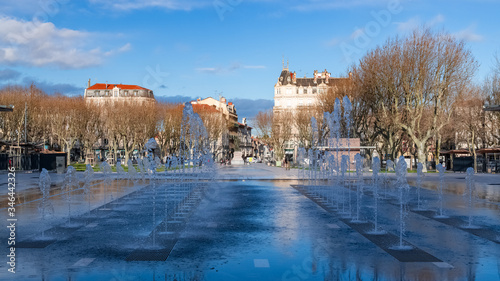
199,48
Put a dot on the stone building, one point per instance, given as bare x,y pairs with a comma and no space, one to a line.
238,134
104,93
292,93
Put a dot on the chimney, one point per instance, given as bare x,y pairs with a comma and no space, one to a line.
315,76
294,78
88,84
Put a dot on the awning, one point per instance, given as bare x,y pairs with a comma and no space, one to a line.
488,150
456,151
6,108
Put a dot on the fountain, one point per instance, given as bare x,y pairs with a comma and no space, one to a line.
150,166
140,166
119,170
420,175
132,172
347,117
376,170
106,171
403,187
470,195
359,187
70,183
440,169
389,164
343,170
88,177
45,206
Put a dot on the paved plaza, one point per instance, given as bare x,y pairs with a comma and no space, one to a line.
251,222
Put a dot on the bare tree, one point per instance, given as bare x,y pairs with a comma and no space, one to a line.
264,124
419,79
168,128
93,129
215,124
281,132
66,121
468,120
302,125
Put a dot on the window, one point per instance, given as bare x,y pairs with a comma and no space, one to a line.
296,91
305,91
135,93
315,90
107,94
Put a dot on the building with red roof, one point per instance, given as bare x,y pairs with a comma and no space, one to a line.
102,93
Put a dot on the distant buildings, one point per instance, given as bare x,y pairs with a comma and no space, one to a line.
228,109
291,92
238,135
102,93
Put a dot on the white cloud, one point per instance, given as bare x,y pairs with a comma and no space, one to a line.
228,69
179,5
253,66
469,34
333,42
409,25
315,5
358,32
434,21
42,44
416,22
207,69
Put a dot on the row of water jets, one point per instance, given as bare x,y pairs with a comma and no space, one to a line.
193,162
317,164
340,197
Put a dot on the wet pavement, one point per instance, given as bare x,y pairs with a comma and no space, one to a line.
254,223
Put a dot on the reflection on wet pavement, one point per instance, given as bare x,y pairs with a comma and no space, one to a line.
250,230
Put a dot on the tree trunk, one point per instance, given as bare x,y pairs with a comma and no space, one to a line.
421,154
438,148
474,154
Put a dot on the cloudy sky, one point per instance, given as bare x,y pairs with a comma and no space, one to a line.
201,48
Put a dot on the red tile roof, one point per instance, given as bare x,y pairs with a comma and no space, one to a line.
204,107
103,86
243,125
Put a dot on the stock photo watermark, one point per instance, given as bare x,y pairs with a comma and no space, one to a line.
48,9
154,77
11,220
224,6
363,37
304,270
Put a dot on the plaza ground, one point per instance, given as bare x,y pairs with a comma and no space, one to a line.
252,222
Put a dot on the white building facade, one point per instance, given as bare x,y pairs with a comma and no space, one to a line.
292,93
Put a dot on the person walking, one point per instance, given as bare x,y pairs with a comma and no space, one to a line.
285,163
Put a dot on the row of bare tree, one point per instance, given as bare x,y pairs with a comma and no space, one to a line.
413,95
64,121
